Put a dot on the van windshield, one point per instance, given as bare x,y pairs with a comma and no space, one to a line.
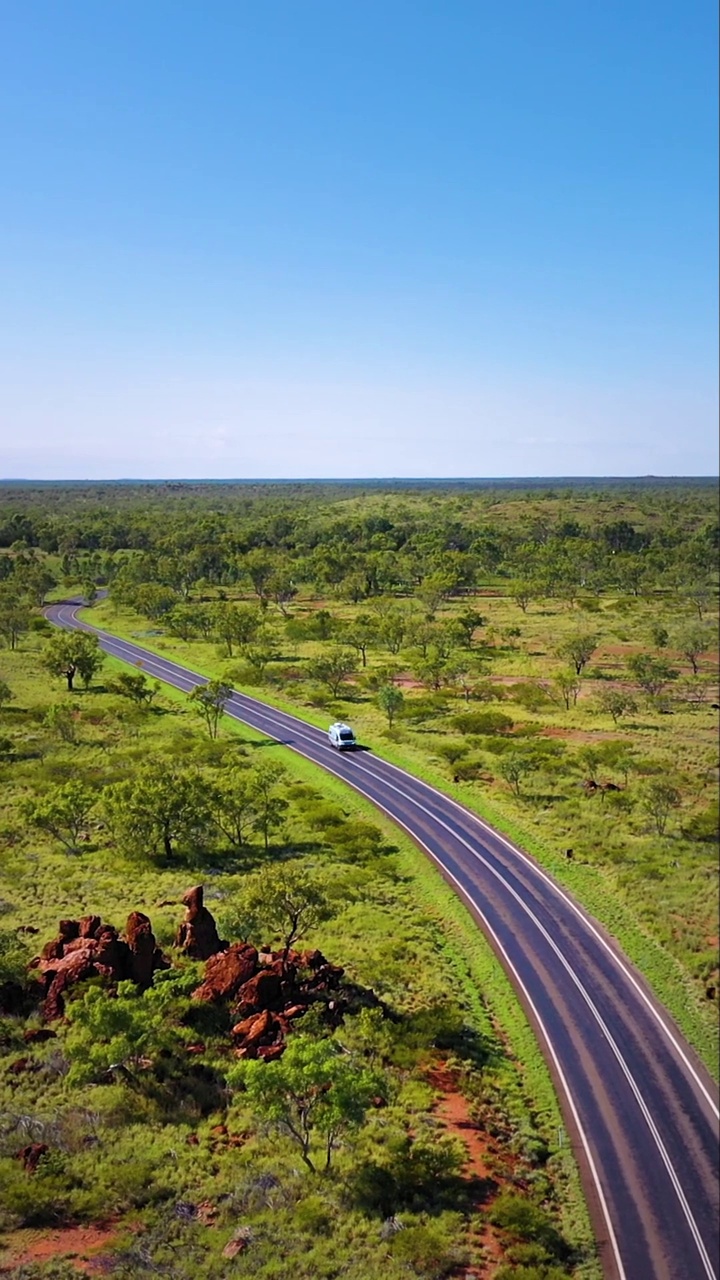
347,735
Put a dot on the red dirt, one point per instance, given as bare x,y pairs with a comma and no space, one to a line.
453,1112
79,1244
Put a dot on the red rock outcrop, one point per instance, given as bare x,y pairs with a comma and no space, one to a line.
264,991
87,947
226,972
145,956
198,936
268,990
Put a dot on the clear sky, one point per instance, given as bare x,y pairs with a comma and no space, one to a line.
276,238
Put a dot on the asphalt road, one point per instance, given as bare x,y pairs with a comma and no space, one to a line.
640,1109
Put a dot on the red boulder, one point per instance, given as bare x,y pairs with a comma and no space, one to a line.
198,936
226,972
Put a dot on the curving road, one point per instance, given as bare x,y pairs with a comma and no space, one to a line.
640,1108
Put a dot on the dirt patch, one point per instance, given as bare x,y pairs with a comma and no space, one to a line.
407,682
453,1111
80,1245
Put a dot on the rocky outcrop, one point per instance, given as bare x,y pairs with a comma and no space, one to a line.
268,991
87,948
145,956
198,936
226,972
265,992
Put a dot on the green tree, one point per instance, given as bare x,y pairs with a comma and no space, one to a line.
360,634
568,687
659,635
209,700
700,593
522,593
63,812
61,719
161,812
234,806
235,624
334,668
616,703
392,628
695,640
281,588
259,568
15,617
434,671
315,1093
659,798
390,699
650,673
113,1037
466,624
153,599
693,690
269,803
182,621
36,581
283,901
514,766
71,653
259,656
579,649
136,687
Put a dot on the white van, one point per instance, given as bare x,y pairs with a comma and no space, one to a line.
341,736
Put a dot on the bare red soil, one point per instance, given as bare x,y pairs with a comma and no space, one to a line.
80,1245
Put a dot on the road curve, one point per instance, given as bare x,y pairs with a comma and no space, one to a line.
640,1108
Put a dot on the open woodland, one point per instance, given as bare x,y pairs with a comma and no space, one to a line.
546,652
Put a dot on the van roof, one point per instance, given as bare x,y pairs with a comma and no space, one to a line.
340,724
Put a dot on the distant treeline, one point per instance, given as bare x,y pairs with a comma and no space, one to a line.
632,540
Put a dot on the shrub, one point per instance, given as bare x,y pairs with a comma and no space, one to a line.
483,722
530,696
427,1249
452,751
705,825
526,1221
467,770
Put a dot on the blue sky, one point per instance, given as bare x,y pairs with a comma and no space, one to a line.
362,238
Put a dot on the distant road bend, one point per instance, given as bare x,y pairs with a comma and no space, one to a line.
640,1108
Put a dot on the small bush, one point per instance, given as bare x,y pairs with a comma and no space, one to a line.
526,1221
488,722
704,826
530,696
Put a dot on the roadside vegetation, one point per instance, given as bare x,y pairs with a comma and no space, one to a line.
550,658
